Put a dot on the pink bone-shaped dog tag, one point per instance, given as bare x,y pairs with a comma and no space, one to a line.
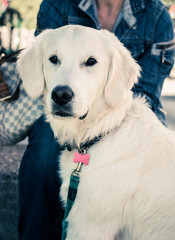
84,158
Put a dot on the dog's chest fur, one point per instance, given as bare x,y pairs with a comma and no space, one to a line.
116,190
104,192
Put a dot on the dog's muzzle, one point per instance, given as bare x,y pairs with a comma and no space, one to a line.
62,102
61,97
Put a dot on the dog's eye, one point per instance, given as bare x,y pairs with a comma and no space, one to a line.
90,62
54,59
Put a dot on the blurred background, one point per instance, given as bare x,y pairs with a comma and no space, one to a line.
17,25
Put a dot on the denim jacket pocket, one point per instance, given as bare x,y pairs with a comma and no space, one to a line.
164,54
136,51
135,46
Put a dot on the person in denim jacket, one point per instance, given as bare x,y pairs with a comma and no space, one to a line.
146,29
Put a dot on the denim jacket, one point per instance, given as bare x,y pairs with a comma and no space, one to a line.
144,27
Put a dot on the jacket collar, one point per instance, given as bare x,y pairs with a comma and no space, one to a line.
90,7
130,7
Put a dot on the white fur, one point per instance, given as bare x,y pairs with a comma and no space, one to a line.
127,191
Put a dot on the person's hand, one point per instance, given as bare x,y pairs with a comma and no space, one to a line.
4,91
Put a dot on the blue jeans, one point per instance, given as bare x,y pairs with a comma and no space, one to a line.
41,212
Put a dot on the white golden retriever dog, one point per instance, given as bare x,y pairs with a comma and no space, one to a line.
127,191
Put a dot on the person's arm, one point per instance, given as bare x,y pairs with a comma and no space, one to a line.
156,63
50,15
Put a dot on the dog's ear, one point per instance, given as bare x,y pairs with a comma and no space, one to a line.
123,71
30,67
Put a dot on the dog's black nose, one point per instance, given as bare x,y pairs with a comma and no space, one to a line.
62,95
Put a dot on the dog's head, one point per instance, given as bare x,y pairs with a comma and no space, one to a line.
76,65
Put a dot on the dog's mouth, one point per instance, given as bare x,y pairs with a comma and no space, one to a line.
65,114
62,113
84,116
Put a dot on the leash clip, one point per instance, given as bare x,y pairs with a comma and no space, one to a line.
82,150
77,172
